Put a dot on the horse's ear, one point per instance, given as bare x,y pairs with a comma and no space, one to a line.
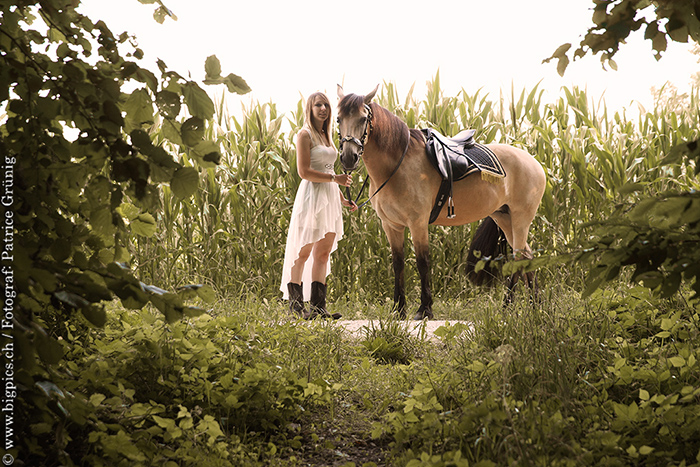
370,96
341,93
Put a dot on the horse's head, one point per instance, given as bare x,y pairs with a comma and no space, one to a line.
354,126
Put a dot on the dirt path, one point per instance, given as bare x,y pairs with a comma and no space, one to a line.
355,327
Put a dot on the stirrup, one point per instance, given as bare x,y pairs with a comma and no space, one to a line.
450,208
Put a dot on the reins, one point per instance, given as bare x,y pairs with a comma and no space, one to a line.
361,145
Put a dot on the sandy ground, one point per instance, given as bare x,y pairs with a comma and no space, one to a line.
355,327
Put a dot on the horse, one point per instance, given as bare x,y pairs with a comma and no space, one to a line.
404,186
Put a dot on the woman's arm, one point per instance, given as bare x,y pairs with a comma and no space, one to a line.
304,164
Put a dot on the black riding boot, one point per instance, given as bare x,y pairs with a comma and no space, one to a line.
318,302
296,300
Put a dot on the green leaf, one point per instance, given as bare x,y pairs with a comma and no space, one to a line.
212,67
61,249
689,148
171,131
659,43
168,104
101,221
141,140
667,324
629,188
208,154
145,76
48,348
161,13
562,64
670,285
560,55
677,29
193,311
165,423
139,110
112,112
198,101
192,131
600,14
144,225
128,210
97,399
205,292
71,299
677,361
96,315
650,279
185,182
593,282
236,84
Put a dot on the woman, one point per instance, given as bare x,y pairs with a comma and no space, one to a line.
317,219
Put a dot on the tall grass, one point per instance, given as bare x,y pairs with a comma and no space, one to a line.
231,233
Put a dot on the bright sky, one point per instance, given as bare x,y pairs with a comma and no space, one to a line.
285,49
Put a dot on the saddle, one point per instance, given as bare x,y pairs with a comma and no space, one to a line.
455,158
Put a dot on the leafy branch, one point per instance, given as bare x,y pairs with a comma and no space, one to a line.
615,20
84,172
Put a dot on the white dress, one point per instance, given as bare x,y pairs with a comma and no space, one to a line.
317,211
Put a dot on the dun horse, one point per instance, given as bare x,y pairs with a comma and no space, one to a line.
404,185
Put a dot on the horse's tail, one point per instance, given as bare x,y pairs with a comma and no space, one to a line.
491,242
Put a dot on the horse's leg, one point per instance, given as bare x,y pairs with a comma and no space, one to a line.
516,228
396,241
488,241
421,247
503,220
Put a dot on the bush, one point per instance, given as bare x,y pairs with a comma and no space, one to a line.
149,392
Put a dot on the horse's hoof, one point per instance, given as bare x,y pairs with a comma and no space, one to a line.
423,314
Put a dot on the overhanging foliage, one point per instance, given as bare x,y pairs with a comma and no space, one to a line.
80,175
615,20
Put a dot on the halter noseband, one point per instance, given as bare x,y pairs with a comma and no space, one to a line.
360,143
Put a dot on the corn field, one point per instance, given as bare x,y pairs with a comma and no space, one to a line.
231,233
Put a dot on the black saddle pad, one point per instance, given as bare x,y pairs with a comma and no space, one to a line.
456,158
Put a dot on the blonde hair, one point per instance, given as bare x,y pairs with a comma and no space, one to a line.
308,118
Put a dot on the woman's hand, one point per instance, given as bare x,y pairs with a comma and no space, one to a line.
343,179
349,204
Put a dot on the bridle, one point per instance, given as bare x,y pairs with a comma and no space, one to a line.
352,139
361,145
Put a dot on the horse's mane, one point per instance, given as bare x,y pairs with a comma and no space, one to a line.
389,132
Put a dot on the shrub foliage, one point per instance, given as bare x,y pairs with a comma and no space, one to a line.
80,178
